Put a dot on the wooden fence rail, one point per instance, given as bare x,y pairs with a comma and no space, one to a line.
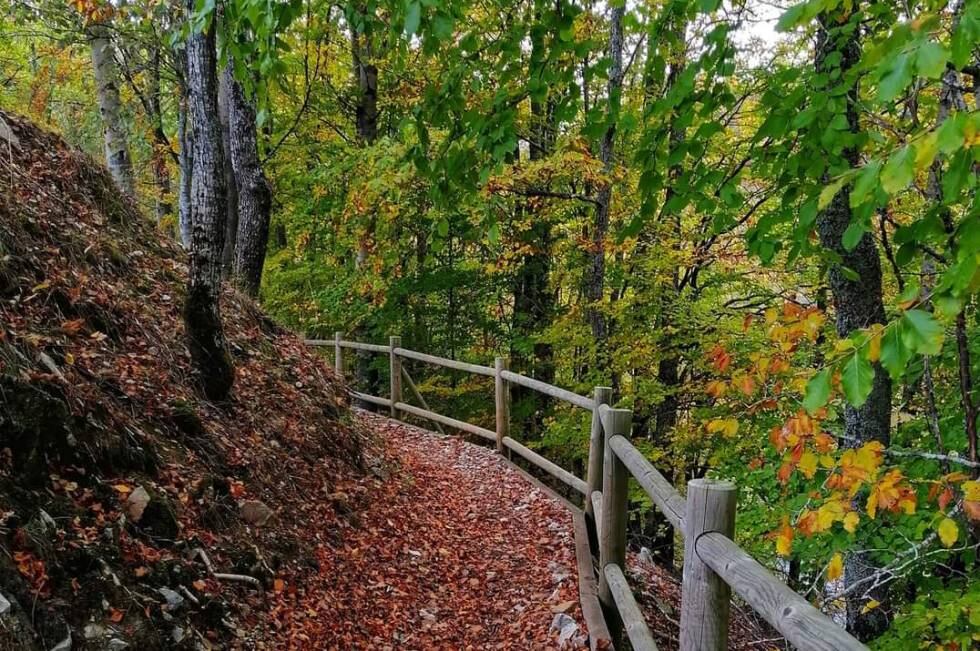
714,565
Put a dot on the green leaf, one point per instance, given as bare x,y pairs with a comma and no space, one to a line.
896,76
442,228
857,379
852,235
895,354
922,333
817,391
413,17
930,61
865,184
898,171
829,192
791,17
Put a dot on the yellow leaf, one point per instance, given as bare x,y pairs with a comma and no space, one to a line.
871,605
784,539
808,464
835,568
851,521
948,531
123,488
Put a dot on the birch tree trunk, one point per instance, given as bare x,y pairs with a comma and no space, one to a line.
110,108
858,303
254,194
595,288
202,315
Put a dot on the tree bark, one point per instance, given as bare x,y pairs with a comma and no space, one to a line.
202,314
161,146
595,288
858,304
117,155
254,194
185,157
225,90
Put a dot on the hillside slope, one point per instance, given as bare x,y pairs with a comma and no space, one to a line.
114,473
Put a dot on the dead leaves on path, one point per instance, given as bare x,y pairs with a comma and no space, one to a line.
455,551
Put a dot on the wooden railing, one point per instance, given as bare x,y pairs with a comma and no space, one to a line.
714,565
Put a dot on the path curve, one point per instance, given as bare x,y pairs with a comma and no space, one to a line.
454,550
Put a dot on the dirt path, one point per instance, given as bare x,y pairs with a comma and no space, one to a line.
455,550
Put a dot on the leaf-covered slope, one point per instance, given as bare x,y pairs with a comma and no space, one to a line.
99,412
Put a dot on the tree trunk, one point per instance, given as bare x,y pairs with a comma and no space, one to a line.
185,157
202,314
858,304
254,195
117,156
231,182
595,288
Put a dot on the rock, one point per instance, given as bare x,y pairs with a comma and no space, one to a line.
566,627
646,555
174,600
256,512
94,631
115,644
4,605
138,500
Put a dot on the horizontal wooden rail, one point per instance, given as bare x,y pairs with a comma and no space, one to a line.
373,348
444,361
446,420
794,617
663,494
375,400
549,390
634,624
552,469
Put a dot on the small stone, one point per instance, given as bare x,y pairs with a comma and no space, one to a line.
4,605
115,644
646,555
94,631
174,600
255,512
137,503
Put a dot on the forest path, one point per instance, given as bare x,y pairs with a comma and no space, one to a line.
456,550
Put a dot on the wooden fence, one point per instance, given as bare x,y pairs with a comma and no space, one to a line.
714,565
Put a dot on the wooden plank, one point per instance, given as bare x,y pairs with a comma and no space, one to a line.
552,469
705,597
794,617
377,400
372,348
588,589
501,401
549,390
338,354
634,623
665,496
318,342
615,496
448,363
394,373
418,396
597,445
446,420
596,501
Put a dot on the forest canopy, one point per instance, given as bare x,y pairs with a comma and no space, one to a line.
757,222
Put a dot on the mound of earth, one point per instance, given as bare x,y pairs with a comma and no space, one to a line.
132,512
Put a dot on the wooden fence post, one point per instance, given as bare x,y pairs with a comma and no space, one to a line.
395,373
704,595
501,395
338,354
612,539
593,477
